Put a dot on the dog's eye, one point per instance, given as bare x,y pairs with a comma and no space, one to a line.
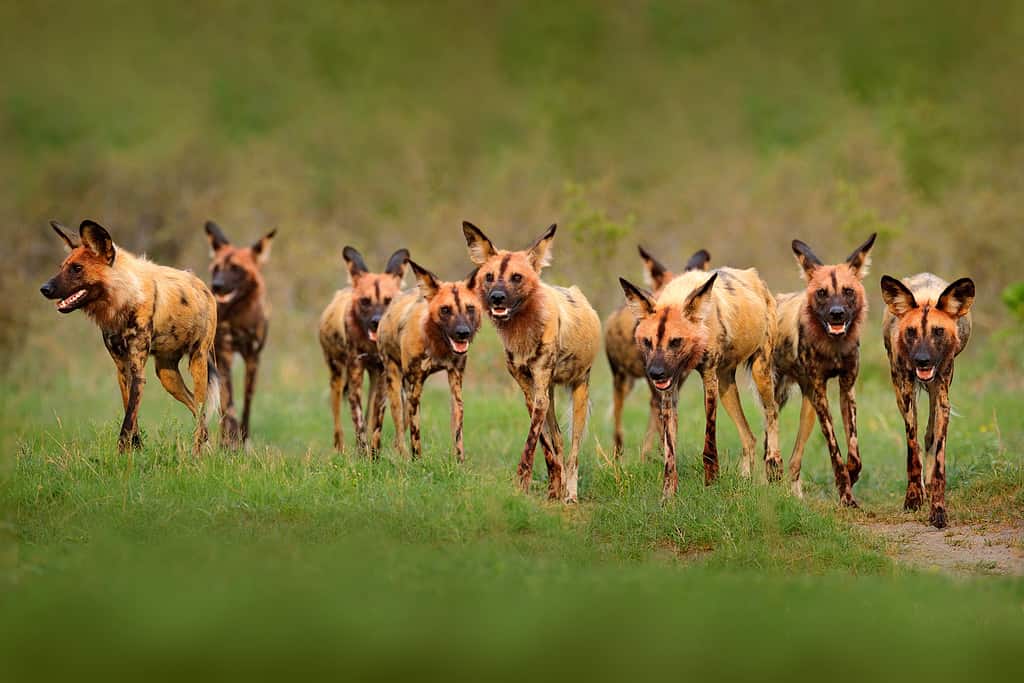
675,343
489,277
387,300
365,301
848,292
911,333
938,332
517,278
471,309
821,294
648,345
446,310
77,268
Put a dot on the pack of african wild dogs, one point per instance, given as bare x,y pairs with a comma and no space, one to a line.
709,322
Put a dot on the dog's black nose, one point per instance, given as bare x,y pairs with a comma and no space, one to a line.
374,321
657,372
497,297
837,314
922,360
462,333
48,290
218,287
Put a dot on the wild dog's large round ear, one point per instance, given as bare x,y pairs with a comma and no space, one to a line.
97,240
641,303
539,253
480,248
957,298
699,260
696,304
806,258
59,229
427,281
396,264
218,240
355,263
897,296
261,248
655,273
860,260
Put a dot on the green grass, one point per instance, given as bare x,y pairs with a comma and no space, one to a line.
290,557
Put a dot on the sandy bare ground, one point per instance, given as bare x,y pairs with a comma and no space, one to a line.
968,549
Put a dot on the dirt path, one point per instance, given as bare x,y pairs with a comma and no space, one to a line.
961,550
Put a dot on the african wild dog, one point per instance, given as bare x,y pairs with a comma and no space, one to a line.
143,310
348,336
551,336
421,333
926,325
710,324
624,357
819,338
243,314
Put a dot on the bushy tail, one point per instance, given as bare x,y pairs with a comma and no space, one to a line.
212,388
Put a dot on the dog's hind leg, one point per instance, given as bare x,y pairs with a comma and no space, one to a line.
199,369
252,364
170,377
337,388
580,398
807,419
730,395
621,385
761,371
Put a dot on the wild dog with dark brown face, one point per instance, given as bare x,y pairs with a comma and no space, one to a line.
819,338
926,325
423,332
551,336
142,310
243,315
348,337
710,324
624,357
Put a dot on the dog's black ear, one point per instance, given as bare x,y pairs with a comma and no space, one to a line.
262,247
59,229
354,261
97,240
218,240
860,260
699,260
806,258
396,264
471,278
641,302
539,253
655,273
957,298
696,306
898,296
428,282
480,248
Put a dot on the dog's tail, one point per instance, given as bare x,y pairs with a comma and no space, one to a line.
212,388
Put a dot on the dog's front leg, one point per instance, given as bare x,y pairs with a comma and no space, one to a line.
710,378
355,401
252,364
848,404
413,399
134,369
819,397
907,404
667,418
539,402
455,389
937,478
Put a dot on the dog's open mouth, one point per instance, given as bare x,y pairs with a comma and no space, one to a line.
72,302
224,298
372,334
836,329
499,312
925,374
459,347
663,384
